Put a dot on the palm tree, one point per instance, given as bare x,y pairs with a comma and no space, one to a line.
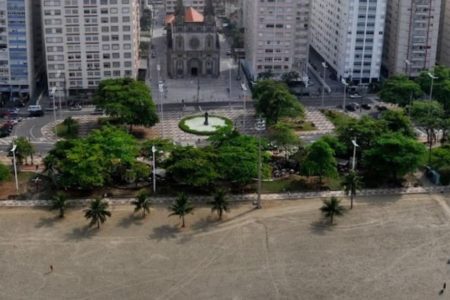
97,212
352,183
59,202
331,208
181,207
220,203
142,202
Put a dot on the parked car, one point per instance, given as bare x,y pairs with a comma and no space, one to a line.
381,107
355,96
76,107
350,107
98,111
366,106
355,105
51,108
35,111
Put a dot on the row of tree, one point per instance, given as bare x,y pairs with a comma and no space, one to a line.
98,212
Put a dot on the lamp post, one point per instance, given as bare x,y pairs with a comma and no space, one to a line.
154,168
259,126
355,145
229,85
345,93
408,68
244,88
432,82
324,65
160,91
13,150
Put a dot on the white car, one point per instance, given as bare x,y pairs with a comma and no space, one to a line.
355,96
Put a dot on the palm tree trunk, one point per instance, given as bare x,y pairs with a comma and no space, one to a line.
331,218
351,200
98,224
61,212
143,213
182,222
220,214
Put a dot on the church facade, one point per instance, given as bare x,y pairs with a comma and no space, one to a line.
193,47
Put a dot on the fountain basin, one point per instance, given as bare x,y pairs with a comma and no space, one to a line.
195,124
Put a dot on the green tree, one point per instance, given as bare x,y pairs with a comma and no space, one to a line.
5,173
440,156
441,85
220,203
400,90
59,202
181,207
392,156
146,19
397,121
273,101
429,115
142,203
24,148
284,137
364,130
290,77
127,100
320,161
352,183
266,75
97,212
192,167
331,208
339,148
71,127
163,147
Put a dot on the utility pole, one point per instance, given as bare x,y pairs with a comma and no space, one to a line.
259,126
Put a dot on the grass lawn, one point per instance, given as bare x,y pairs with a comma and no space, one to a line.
299,124
296,183
63,131
337,118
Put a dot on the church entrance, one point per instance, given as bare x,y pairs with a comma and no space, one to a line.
194,65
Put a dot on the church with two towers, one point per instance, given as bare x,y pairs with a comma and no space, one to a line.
193,47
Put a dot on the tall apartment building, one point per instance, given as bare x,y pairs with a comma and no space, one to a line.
411,36
276,36
90,40
170,5
348,34
444,35
17,69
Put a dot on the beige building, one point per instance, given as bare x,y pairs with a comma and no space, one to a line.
276,36
411,36
170,5
87,41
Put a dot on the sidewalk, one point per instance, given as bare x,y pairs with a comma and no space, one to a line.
241,198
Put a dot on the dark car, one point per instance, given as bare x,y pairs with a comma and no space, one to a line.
381,107
98,111
366,106
76,107
350,107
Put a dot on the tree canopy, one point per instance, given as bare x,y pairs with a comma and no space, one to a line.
400,90
127,100
320,160
273,100
392,156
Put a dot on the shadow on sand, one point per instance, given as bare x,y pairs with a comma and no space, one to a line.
84,232
321,227
132,219
164,232
48,221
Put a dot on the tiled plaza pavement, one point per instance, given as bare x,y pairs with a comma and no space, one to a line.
323,126
87,123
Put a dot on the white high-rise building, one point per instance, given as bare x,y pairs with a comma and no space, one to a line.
411,36
17,69
348,34
87,41
276,36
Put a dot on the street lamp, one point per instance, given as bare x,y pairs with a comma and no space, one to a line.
259,126
345,92
160,91
244,88
13,150
355,145
154,168
408,68
432,81
324,65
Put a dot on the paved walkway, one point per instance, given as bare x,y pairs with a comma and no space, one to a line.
243,197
